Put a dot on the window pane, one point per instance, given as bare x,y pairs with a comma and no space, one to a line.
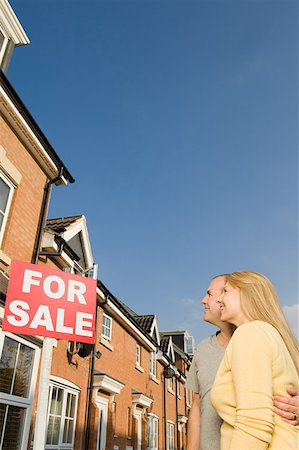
68,431
73,406
53,430
13,428
4,193
2,414
23,371
7,364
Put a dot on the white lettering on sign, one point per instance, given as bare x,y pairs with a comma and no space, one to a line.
80,323
42,318
60,286
60,322
76,288
54,286
28,279
17,308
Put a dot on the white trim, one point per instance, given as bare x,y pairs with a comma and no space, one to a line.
154,327
66,390
106,336
141,399
19,124
138,355
64,382
7,209
146,342
9,168
107,384
80,226
11,25
102,405
106,344
26,403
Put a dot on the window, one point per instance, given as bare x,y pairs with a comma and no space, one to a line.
129,424
106,327
170,436
189,345
152,432
62,411
138,355
6,192
188,397
18,370
153,368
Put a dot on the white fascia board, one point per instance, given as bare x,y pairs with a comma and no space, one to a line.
155,327
75,228
135,330
11,24
101,294
170,349
20,126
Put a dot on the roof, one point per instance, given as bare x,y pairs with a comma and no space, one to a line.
146,322
131,315
60,224
164,343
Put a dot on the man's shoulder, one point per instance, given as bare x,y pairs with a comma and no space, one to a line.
207,342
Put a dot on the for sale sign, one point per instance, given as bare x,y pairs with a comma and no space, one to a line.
44,302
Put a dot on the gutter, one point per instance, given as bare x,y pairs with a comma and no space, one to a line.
23,111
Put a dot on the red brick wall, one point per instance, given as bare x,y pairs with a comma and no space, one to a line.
20,231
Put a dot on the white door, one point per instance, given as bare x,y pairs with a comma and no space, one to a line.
102,405
139,430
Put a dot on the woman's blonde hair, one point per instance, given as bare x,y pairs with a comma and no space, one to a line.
259,301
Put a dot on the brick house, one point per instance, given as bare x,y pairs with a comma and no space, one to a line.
125,392
29,167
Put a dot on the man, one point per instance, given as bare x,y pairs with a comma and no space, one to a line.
203,422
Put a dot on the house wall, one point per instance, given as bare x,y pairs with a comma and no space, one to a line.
20,231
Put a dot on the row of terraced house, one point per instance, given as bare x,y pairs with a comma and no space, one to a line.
128,390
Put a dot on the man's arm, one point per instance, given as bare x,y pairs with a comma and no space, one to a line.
288,407
193,424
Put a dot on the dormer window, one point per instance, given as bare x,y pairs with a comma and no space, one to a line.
189,345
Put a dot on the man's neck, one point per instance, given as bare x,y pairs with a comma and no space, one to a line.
225,334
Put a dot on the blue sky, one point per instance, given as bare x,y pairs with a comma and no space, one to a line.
178,120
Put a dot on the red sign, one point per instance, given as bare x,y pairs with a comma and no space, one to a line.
44,302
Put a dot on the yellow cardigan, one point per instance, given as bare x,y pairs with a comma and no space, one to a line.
256,366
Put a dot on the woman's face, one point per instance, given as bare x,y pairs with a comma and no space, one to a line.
230,306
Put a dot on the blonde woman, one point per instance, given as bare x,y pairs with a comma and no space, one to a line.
260,360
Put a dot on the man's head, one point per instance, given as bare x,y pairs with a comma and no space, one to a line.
212,307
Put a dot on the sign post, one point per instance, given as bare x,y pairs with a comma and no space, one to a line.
45,302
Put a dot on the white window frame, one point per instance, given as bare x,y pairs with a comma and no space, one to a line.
170,384
108,335
170,435
153,432
4,45
22,402
189,342
153,364
68,388
138,354
6,212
